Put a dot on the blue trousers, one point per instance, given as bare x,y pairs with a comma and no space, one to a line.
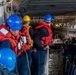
22,65
39,58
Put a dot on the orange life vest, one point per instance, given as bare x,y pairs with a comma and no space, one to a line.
16,43
47,39
25,30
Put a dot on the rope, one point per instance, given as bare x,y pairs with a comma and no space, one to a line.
17,73
47,63
27,62
46,69
26,58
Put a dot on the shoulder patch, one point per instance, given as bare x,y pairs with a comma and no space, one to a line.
4,31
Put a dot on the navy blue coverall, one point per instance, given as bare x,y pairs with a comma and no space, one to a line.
39,57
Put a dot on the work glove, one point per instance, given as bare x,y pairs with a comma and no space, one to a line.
46,48
34,50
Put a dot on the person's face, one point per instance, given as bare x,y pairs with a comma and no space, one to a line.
49,23
28,22
14,32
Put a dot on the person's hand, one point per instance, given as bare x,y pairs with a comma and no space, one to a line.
46,48
34,49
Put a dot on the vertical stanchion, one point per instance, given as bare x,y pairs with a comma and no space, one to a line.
47,62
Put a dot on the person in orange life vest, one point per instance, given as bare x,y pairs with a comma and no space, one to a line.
42,41
11,37
28,31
